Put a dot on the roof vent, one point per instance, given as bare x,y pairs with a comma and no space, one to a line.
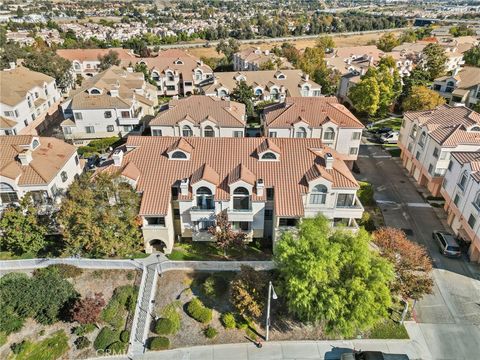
328,161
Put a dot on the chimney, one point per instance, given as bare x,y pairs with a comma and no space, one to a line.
12,64
114,92
117,157
328,161
306,77
362,71
184,186
456,71
349,61
130,69
25,157
260,187
267,52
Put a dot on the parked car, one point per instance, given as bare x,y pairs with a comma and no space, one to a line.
389,138
380,131
447,244
373,355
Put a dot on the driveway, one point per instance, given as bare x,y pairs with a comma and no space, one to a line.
448,320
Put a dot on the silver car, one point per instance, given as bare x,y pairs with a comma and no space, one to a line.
447,244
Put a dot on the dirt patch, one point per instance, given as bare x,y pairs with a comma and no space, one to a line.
301,44
87,284
181,287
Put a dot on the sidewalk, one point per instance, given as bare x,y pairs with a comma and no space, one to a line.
287,350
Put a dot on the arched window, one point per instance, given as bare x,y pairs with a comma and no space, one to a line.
187,131
208,131
463,180
35,144
305,90
318,195
7,193
179,155
64,176
222,93
205,198
281,77
155,76
450,86
274,94
241,199
476,202
258,92
329,134
475,128
198,75
301,132
170,76
413,133
423,137
178,62
269,156
94,92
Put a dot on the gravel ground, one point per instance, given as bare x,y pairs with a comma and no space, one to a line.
175,286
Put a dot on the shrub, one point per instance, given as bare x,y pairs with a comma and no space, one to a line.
105,337
246,292
209,286
171,312
3,338
210,332
117,348
250,333
199,312
83,329
122,301
365,194
367,222
88,309
125,336
51,348
67,271
17,348
163,326
159,343
228,321
82,342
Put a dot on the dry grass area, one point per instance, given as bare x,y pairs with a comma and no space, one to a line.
87,284
301,44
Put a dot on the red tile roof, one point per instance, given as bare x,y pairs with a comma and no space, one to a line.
315,111
230,158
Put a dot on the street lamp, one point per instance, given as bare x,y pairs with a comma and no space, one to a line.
271,295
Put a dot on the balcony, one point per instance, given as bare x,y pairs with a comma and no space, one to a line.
128,120
240,214
198,213
352,210
350,225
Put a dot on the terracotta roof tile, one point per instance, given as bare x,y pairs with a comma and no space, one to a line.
313,110
230,158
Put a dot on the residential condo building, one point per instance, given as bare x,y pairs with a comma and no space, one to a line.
200,115
265,185
460,88
428,138
461,190
27,99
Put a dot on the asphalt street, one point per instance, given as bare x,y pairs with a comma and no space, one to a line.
448,320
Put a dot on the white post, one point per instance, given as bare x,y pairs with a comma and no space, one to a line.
268,309
404,313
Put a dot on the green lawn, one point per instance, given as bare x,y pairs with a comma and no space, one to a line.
393,123
51,348
207,251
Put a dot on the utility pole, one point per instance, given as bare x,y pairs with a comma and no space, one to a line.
271,295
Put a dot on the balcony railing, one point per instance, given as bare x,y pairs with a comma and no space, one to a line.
201,208
241,210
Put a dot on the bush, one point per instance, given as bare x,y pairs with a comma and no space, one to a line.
228,321
17,348
67,271
123,300
82,342
96,146
3,338
125,336
199,312
365,194
105,337
367,222
209,286
250,333
210,332
51,348
159,343
164,326
117,348
171,312
83,329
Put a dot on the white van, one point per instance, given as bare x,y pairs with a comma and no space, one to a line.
389,138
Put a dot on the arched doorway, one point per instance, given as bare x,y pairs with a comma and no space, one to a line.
158,245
